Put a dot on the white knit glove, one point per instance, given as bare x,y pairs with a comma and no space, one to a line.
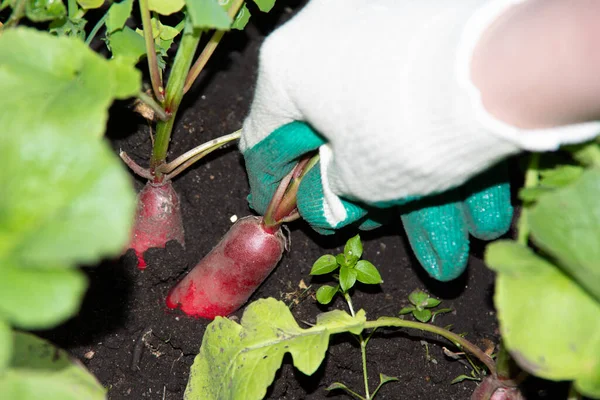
386,83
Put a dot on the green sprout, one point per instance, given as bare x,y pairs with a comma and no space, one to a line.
421,306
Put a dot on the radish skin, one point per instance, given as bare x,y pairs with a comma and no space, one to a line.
158,219
228,275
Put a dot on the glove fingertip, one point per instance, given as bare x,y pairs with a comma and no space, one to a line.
439,240
489,213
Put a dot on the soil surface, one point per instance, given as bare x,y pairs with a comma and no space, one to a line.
139,349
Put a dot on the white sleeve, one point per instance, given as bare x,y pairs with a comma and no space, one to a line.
387,83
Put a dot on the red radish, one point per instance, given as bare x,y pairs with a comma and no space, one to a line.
224,280
157,220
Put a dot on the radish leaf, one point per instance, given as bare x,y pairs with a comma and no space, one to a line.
549,323
240,361
565,224
118,14
38,370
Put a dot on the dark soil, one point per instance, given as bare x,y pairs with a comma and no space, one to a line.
141,350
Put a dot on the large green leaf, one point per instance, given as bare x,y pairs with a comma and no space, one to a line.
39,370
56,85
66,198
33,298
566,224
548,322
240,361
208,14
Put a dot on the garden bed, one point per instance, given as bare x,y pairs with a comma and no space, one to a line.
139,349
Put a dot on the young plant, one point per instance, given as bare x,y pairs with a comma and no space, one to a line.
421,306
352,269
228,275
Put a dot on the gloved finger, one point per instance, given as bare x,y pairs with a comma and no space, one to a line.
488,211
377,217
274,157
324,211
438,235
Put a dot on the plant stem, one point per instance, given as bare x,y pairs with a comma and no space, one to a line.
182,162
363,352
174,94
202,59
17,13
135,167
71,8
452,337
155,75
531,180
95,29
150,102
208,51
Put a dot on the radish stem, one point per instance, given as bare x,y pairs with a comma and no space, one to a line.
208,51
174,94
201,151
202,60
155,75
143,172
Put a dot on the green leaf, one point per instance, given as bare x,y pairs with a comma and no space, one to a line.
41,371
566,224
347,278
418,297
337,385
353,248
167,7
383,379
90,4
422,315
118,14
586,153
44,10
324,265
325,294
462,378
32,298
208,14
548,322
407,310
438,312
341,321
560,176
74,27
367,273
432,302
265,5
66,197
241,19
341,260
240,361
127,43
6,345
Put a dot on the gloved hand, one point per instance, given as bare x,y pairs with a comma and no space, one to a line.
382,89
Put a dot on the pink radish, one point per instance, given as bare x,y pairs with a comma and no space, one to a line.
224,280
157,220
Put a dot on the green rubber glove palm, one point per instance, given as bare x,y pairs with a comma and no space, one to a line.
437,227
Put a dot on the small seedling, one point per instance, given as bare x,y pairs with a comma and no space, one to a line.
351,267
421,306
